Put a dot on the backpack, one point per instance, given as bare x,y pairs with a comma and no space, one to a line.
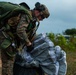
8,10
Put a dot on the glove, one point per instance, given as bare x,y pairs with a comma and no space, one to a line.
30,48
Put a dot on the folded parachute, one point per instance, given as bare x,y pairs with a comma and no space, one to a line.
52,59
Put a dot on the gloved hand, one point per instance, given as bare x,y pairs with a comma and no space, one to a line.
30,48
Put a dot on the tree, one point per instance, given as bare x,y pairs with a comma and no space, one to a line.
70,31
51,36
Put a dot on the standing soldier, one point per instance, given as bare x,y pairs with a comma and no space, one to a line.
17,27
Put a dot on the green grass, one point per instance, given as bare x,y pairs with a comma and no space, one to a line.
71,63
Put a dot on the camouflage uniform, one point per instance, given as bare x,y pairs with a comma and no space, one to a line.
19,26
12,27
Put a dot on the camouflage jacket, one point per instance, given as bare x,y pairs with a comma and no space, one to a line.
19,20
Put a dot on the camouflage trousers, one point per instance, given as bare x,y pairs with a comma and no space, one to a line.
7,62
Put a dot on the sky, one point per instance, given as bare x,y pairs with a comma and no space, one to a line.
62,15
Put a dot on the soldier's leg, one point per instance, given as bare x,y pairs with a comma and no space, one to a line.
7,63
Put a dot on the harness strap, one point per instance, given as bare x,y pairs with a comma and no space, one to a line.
34,30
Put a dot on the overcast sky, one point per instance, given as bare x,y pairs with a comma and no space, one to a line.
63,14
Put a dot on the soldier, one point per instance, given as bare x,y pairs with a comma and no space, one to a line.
17,28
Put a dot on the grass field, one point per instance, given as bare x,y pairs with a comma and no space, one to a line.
71,63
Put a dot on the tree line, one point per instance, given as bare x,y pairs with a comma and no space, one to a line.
66,44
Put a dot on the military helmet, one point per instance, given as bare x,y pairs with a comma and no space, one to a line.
43,9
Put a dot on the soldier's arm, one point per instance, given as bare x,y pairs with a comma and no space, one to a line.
21,29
